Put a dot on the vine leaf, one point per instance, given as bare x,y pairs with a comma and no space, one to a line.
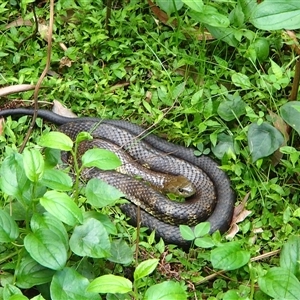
263,140
290,113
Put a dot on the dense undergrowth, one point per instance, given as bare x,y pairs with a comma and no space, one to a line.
225,97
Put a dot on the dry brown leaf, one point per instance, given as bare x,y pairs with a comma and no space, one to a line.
291,34
1,126
161,15
280,125
59,109
239,215
65,61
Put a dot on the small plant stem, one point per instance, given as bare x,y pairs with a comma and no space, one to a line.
295,86
77,171
252,284
38,85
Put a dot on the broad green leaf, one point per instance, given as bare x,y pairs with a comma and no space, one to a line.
9,230
276,15
83,136
232,295
263,140
228,35
168,290
57,180
38,297
104,219
13,180
187,232
276,69
247,7
202,229
145,268
225,145
62,207
280,283
229,256
241,80
196,5
204,242
100,158
169,6
290,112
10,290
90,239
18,297
121,253
232,109
30,273
50,222
211,17
100,194
56,140
33,164
68,284
110,284
290,255
46,248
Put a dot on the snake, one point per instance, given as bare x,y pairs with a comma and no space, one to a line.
212,202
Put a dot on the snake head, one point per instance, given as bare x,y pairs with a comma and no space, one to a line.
180,186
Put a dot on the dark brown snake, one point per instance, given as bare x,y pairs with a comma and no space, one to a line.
212,202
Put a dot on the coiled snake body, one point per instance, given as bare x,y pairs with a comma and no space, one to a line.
212,202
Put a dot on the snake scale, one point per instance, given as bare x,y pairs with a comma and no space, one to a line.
212,202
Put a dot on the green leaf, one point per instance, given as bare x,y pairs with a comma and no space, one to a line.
100,194
204,242
241,80
13,180
224,146
168,290
228,35
18,297
9,230
196,5
10,290
187,232
33,164
104,219
211,17
100,158
290,255
56,140
290,112
276,15
232,109
263,140
169,6
68,284
48,221
46,248
281,284
202,229
145,268
229,256
110,284
30,273
90,239
121,253
83,136
56,180
62,207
